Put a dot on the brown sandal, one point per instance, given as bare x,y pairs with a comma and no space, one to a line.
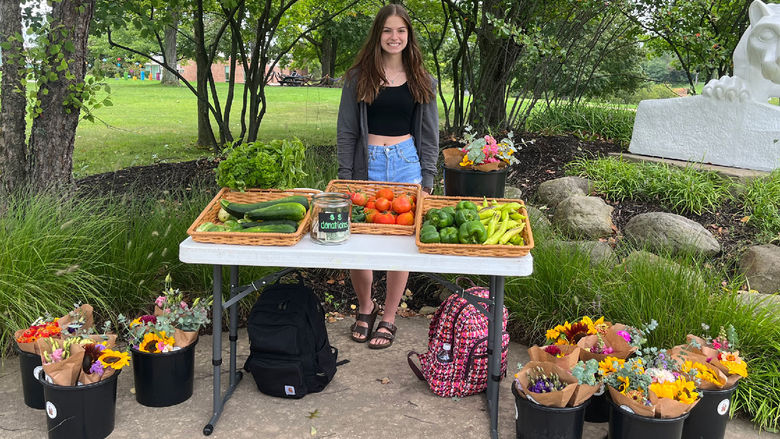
364,330
385,335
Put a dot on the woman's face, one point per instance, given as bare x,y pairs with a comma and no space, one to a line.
394,35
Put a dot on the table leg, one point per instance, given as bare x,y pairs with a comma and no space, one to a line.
216,352
495,336
233,337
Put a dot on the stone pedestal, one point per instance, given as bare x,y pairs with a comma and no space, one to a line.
703,129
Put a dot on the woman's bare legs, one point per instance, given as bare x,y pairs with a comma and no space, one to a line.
361,282
396,285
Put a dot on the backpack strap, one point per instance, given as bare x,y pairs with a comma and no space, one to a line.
414,367
336,354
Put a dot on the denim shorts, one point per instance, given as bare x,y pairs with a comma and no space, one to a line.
397,163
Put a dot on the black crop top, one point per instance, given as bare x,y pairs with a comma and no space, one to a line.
391,112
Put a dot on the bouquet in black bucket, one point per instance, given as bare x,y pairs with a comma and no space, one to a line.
163,347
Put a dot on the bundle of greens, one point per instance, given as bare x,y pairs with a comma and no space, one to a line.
274,164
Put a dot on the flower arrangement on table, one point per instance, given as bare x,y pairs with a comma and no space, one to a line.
481,153
173,325
71,351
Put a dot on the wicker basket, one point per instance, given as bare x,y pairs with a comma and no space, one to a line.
370,187
437,202
209,214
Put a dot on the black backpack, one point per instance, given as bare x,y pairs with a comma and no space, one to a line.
290,355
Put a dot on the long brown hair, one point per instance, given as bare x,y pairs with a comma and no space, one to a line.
368,64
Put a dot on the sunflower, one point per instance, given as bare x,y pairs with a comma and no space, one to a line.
680,390
610,365
701,371
624,384
154,343
574,332
114,359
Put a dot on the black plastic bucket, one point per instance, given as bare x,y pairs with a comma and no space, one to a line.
598,410
85,412
709,418
31,387
468,183
534,421
164,379
625,425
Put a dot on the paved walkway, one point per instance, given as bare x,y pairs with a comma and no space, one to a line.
374,396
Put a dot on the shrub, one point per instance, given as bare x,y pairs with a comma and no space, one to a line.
587,121
762,205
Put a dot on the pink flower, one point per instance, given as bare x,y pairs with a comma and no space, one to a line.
183,305
607,350
56,355
160,301
490,140
716,344
625,335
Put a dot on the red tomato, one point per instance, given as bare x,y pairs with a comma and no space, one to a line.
405,219
382,204
358,198
370,205
384,218
370,213
402,204
385,193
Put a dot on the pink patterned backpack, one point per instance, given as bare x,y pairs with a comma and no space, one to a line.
456,363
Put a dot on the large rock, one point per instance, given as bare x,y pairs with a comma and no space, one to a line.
761,266
539,220
643,260
708,130
513,192
661,231
552,192
598,252
588,217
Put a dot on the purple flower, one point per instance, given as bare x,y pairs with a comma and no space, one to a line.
97,367
625,335
148,319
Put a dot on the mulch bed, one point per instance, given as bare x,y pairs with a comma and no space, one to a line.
541,158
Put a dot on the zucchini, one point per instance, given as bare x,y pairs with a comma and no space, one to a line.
271,228
238,210
248,224
289,211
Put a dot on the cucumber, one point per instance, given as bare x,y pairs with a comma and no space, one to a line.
271,228
238,210
248,224
289,211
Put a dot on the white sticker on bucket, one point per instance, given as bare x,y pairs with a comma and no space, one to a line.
37,371
723,407
51,411
627,408
517,413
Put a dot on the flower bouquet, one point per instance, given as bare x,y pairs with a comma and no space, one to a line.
80,360
720,352
596,339
481,153
163,348
545,384
565,356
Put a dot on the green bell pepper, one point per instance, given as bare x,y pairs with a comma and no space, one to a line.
449,209
430,214
429,234
441,219
472,232
465,215
466,205
449,235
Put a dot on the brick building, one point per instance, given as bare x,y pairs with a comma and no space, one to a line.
221,71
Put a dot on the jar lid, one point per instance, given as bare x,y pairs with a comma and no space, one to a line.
330,196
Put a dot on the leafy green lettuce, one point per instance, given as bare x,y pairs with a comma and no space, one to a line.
274,164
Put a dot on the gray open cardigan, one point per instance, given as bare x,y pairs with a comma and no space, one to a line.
352,135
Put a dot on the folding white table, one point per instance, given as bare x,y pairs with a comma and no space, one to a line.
375,252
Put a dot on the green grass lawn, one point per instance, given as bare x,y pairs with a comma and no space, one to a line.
150,123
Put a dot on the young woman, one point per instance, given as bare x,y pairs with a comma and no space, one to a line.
388,130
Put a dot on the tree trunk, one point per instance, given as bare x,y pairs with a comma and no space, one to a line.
328,56
13,150
54,130
205,133
169,78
